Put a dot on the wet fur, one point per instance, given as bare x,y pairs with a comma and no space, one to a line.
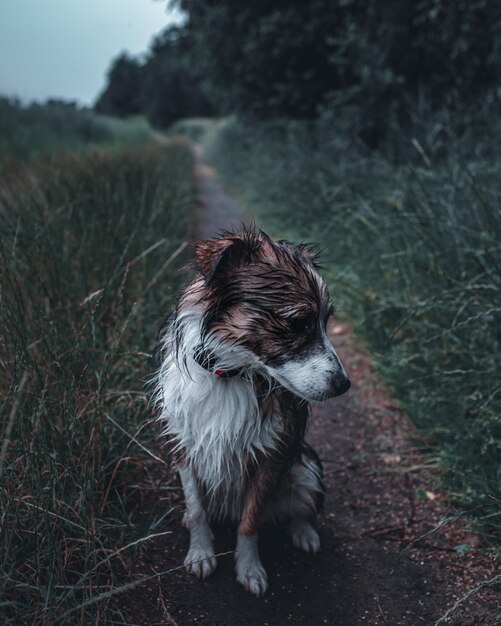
256,309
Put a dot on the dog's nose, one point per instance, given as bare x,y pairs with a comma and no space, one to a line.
340,386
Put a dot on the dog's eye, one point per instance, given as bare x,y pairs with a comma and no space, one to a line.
302,324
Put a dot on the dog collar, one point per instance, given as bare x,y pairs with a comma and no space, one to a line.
209,362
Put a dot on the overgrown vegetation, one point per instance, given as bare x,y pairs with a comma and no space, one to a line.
89,258
412,248
35,131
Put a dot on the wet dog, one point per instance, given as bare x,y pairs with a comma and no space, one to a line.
241,356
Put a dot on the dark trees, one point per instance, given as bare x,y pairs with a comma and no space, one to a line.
382,58
122,96
288,57
164,87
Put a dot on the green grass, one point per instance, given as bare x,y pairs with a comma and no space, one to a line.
412,252
39,130
90,251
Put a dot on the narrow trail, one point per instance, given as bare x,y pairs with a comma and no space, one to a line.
381,562
216,210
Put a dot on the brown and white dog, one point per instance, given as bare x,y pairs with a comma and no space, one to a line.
243,353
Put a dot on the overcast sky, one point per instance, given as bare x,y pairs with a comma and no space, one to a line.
63,48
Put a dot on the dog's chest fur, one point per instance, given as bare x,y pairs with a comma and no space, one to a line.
217,425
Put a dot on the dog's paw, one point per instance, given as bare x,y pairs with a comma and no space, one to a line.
201,562
253,577
304,537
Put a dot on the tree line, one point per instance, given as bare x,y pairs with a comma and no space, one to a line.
269,58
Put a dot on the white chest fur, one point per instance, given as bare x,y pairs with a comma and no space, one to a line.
216,423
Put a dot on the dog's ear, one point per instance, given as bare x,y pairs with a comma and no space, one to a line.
215,256
308,250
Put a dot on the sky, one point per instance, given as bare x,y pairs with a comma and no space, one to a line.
63,48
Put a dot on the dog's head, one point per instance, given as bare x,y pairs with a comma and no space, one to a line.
268,298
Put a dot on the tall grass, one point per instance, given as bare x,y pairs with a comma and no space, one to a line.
89,259
39,130
412,250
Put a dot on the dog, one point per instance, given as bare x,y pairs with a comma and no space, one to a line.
243,353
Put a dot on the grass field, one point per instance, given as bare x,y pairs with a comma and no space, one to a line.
90,251
411,247
39,130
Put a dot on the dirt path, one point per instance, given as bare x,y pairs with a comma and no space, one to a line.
216,210
381,498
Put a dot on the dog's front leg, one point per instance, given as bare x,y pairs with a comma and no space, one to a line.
250,571
200,559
